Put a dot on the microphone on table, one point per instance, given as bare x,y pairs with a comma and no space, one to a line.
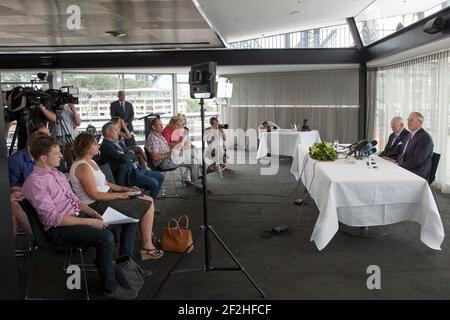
370,147
360,146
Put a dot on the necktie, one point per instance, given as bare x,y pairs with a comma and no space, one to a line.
406,147
394,140
123,106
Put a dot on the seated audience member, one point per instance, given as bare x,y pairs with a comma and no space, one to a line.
115,153
418,148
19,217
90,185
70,222
126,136
215,150
20,165
396,139
162,153
184,124
174,133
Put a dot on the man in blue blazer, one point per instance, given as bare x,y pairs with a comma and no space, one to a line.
396,140
418,149
115,153
123,109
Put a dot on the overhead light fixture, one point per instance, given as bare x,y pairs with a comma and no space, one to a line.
115,34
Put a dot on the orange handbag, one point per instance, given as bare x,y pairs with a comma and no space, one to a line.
177,239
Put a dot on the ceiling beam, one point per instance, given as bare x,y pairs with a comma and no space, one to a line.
179,58
355,33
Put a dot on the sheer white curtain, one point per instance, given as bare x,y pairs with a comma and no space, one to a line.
422,85
328,99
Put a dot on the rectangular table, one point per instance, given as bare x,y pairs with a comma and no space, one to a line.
284,142
348,191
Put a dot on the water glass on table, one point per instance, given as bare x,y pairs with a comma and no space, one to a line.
336,143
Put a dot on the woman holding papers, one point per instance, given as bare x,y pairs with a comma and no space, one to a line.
90,185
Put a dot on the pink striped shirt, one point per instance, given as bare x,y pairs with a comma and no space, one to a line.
49,192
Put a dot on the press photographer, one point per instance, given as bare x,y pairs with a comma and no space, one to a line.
27,106
67,119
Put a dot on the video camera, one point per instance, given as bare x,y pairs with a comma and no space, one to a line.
20,98
26,98
58,98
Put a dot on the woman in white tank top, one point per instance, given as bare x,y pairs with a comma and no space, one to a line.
90,185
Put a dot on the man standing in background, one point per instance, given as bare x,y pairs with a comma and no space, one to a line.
123,109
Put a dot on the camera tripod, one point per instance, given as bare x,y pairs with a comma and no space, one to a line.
206,229
62,133
29,128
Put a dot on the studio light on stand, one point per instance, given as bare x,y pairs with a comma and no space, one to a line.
202,86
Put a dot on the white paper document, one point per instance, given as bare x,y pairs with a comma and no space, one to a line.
112,216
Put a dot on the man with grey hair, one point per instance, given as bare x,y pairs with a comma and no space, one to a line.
418,149
123,109
396,140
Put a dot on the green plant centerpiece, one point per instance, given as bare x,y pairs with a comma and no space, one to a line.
323,151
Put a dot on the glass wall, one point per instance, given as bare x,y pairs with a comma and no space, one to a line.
330,37
149,93
384,17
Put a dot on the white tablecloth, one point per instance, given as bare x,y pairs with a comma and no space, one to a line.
348,191
284,143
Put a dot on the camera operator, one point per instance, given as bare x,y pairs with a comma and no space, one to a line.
38,114
70,121
215,137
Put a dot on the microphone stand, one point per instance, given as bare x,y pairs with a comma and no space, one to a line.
206,229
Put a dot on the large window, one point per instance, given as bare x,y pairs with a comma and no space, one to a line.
329,37
96,92
384,17
421,85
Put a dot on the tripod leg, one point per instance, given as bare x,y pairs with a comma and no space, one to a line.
224,246
13,142
180,259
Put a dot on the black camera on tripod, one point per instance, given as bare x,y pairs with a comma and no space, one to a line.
58,98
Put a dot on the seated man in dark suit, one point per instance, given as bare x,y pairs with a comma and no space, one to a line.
115,153
396,140
418,149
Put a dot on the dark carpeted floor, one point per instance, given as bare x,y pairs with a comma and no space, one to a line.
285,266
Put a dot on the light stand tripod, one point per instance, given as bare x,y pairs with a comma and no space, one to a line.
206,229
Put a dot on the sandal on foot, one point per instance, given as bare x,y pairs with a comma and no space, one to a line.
147,254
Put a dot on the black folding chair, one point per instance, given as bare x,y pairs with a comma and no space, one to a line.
42,242
163,171
434,166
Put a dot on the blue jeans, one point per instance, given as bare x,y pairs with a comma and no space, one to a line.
103,241
149,180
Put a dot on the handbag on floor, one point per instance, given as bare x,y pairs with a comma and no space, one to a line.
129,274
176,238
